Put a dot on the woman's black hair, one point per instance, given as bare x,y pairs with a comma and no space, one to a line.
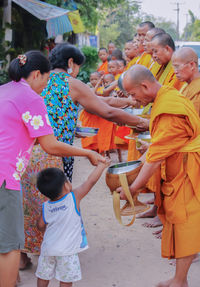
62,53
34,60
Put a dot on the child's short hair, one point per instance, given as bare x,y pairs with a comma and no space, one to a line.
95,73
123,61
103,49
50,182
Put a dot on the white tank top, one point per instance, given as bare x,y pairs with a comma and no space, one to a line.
65,234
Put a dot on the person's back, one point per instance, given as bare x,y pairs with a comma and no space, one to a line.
64,234
61,220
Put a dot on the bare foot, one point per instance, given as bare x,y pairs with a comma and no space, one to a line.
25,261
158,233
165,283
179,284
18,280
148,214
150,201
154,222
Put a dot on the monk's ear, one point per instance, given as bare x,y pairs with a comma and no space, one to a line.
145,87
193,65
169,51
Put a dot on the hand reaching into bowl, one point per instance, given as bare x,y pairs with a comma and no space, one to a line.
143,125
142,146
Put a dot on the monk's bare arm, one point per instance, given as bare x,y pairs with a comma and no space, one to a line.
82,93
146,172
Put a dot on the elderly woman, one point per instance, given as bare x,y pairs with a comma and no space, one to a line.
23,120
62,95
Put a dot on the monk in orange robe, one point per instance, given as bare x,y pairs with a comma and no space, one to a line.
152,65
163,48
103,56
143,59
111,48
185,63
131,51
175,132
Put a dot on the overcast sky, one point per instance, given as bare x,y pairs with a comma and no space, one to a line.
165,8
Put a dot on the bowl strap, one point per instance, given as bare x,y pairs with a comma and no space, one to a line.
116,200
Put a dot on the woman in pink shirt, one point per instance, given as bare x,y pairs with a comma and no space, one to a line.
23,121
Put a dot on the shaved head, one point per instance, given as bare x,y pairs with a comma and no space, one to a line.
185,63
186,54
164,39
155,31
147,23
138,73
140,83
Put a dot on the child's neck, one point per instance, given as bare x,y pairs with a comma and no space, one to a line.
63,193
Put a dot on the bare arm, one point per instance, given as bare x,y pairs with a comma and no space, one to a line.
99,83
50,145
119,102
110,88
41,224
84,188
145,173
82,93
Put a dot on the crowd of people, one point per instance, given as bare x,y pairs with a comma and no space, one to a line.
38,121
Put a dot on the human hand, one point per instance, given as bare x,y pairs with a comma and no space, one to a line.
143,125
95,158
120,94
122,193
106,163
142,146
131,101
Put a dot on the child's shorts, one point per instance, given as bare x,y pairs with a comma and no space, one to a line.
63,268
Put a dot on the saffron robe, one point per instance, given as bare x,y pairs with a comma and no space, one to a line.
145,60
131,63
103,67
175,133
192,92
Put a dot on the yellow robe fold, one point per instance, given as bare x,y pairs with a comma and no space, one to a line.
145,60
192,92
131,63
175,133
167,76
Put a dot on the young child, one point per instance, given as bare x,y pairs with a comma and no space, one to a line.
121,65
103,56
61,220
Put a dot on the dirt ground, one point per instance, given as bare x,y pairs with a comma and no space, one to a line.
118,256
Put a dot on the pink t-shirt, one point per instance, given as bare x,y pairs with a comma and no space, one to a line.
23,118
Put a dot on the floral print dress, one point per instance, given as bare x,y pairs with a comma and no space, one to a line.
63,115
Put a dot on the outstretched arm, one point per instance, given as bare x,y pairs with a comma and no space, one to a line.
50,144
145,173
119,102
82,93
84,188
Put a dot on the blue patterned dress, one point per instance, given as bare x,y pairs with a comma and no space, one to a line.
63,113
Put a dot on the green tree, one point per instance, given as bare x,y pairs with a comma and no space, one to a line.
192,29
119,25
160,22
